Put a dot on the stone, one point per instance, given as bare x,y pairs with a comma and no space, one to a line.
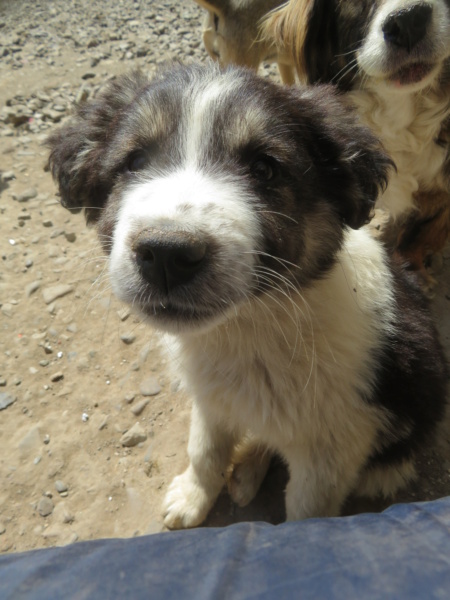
150,387
57,291
32,287
139,407
133,436
6,400
45,506
28,194
57,376
128,338
60,486
70,236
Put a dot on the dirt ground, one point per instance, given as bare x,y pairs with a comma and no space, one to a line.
77,370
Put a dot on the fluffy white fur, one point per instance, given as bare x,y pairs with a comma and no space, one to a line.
408,125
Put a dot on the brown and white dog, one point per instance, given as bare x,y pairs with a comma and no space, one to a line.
232,213
231,34
392,58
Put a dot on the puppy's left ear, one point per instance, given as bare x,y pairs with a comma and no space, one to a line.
351,164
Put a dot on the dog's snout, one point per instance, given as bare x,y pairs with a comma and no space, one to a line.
407,27
167,259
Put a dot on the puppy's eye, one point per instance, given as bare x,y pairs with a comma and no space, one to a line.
136,161
264,168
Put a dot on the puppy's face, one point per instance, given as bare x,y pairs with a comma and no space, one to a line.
210,187
402,45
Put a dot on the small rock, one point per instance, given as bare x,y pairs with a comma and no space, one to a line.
57,376
45,506
128,338
123,313
150,387
2,528
8,176
32,287
70,237
88,75
27,195
129,398
47,223
60,486
7,309
57,291
139,407
6,400
133,436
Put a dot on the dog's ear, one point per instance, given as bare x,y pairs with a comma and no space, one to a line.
76,149
215,6
351,165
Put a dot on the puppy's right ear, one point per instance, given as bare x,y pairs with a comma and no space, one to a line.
77,148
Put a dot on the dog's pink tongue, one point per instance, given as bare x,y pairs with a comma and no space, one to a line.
411,74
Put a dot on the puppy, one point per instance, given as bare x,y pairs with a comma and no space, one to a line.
392,59
231,210
231,35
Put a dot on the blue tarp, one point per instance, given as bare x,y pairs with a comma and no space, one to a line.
403,552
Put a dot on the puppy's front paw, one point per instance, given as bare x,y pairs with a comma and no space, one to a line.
186,503
246,476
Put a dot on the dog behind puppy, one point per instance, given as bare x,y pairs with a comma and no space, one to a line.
232,211
392,60
231,35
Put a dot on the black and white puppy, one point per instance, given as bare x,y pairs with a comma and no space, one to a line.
231,212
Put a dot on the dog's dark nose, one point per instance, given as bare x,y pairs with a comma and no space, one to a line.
167,258
405,28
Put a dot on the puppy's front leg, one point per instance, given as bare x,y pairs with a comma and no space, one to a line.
316,488
192,494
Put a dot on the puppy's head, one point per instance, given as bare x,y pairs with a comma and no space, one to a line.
209,187
399,44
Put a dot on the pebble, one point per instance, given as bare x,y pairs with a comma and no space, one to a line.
150,387
60,486
133,436
45,506
32,287
8,176
7,309
70,237
124,313
128,338
27,195
57,376
6,400
57,291
129,398
139,407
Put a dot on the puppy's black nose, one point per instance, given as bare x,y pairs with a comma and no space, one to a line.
168,258
405,28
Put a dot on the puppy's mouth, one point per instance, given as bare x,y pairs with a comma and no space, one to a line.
411,74
167,311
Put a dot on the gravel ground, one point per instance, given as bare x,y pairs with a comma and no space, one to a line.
93,425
